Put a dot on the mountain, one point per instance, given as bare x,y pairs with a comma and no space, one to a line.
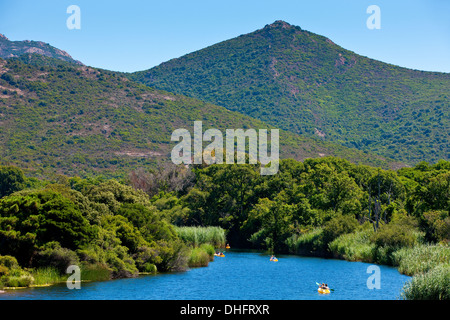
78,120
31,50
305,83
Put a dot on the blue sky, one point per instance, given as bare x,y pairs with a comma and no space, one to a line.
136,35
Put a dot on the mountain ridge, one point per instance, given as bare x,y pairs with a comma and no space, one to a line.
305,83
77,120
16,49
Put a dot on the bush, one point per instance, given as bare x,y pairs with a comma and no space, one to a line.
437,225
9,261
174,256
12,179
198,257
53,255
338,226
394,236
24,280
95,272
209,249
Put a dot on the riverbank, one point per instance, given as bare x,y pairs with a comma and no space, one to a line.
428,264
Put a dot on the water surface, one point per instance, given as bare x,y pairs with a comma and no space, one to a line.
238,276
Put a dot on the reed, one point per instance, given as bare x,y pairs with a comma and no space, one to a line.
307,243
432,285
198,257
354,246
196,236
421,258
47,276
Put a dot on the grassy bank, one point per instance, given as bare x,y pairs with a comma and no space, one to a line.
13,276
202,242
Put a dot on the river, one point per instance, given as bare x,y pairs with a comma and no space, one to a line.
240,275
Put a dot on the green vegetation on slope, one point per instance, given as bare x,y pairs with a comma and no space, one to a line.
304,83
62,118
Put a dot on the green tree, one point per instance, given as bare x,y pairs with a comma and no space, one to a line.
12,179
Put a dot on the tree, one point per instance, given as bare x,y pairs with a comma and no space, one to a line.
168,178
12,179
27,222
274,219
383,187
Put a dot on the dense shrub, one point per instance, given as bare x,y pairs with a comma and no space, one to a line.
12,179
337,226
394,236
53,255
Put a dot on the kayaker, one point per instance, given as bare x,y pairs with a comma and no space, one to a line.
324,286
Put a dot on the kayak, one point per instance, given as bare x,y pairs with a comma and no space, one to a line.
227,247
219,255
274,260
323,291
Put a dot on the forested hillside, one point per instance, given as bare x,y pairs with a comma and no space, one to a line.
304,83
61,118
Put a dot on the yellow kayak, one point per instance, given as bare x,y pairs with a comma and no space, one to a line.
274,260
219,255
323,291
227,247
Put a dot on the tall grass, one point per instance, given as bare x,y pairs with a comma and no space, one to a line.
47,276
307,243
201,256
433,285
354,246
196,236
421,258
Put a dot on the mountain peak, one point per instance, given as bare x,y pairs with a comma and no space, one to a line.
25,48
279,24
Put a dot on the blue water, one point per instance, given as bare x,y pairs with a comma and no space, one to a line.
238,276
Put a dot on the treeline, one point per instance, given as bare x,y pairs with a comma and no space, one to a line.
266,212
109,229
155,219
324,207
